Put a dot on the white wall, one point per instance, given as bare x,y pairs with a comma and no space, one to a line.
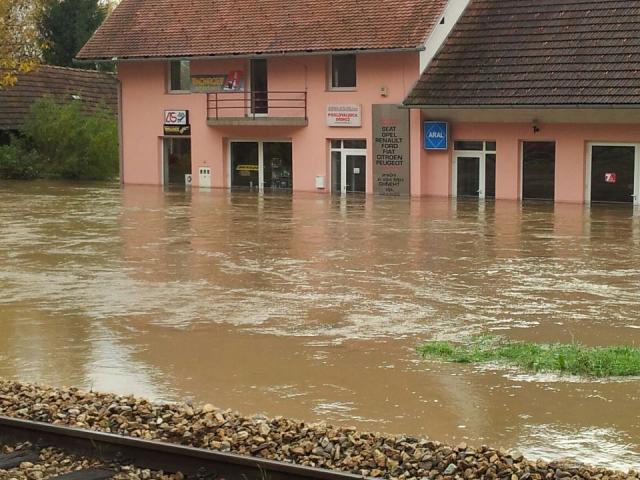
451,14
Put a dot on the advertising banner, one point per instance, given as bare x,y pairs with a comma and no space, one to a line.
176,117
223,82
234,81
207,83
179,130
391,151
344,115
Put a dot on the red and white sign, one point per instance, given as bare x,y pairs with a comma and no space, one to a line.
234,81
344,115
610,177
176,117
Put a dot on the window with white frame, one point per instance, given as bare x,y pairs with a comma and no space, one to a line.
343,72
179,76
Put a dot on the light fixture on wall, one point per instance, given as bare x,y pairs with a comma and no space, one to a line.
535,126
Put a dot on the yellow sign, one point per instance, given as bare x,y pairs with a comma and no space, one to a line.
247,168
207,83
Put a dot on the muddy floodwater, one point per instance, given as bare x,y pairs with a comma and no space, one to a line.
310,306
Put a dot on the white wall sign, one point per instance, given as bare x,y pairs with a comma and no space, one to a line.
344,115
176,117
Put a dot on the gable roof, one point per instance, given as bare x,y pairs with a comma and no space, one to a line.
202,28
515,53
89,87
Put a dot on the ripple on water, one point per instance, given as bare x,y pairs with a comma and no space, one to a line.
605,447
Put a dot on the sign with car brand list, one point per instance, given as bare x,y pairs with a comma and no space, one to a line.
391,150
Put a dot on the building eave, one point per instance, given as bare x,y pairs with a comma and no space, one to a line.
226,56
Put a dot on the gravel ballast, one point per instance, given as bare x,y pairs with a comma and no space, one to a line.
53,462
281,439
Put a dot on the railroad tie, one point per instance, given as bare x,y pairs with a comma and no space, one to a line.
91,474
14,459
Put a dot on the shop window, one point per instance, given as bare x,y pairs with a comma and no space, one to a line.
354,144
470,145
343,72
179,76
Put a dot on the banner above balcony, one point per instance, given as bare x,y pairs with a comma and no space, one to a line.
230,82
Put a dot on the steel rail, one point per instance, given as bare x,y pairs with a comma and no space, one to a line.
192,462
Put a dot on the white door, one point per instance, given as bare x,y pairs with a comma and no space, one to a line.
474,174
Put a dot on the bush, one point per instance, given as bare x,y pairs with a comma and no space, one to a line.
16,162
71,143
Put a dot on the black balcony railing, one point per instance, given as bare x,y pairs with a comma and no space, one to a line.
256,105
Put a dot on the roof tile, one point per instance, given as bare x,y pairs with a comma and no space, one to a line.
92,88
537,52
197,28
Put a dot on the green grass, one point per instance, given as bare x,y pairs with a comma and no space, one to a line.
574,358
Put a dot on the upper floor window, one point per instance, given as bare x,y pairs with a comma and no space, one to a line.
179,76
343,71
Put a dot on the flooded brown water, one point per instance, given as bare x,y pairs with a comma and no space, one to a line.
311,307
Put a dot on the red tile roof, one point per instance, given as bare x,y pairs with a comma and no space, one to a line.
192,28
515,53
89,87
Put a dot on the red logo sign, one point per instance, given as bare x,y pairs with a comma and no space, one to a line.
610,177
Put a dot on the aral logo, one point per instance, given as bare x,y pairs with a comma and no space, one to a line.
436,136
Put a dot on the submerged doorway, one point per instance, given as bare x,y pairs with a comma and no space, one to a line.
474,169
538,170
612,173
261,164
348,166
176,160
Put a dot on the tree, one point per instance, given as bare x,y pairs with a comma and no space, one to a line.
66,25
19,42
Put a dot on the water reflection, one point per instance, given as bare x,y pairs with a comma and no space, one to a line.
310,306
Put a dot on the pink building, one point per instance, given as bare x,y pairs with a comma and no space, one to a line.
292,95
541,99
478,98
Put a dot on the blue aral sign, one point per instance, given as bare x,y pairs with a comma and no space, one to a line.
436,135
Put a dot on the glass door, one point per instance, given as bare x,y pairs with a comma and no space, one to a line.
474,169
245,165
468,171
177,160
260,164
277,165
348,166
259,87
490,175
613,173
356,173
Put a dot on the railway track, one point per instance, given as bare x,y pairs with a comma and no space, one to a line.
115,450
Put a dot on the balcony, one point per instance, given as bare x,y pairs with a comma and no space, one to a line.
273,109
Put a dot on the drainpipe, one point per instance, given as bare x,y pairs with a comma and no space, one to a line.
120,143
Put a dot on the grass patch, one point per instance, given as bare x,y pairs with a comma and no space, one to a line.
574,358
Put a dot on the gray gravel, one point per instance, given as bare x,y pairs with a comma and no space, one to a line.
54,462
282,439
